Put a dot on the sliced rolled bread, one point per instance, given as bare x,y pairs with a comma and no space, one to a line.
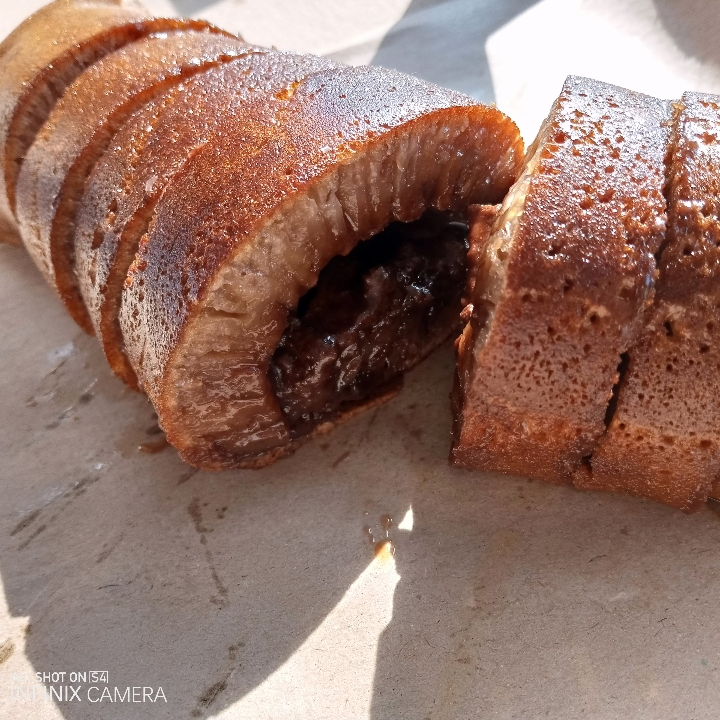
93,108
198,201
46,54
662,441
562,288
289,182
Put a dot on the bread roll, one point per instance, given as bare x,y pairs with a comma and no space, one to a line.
288,182
153,146
663,442
46,54
54,173
561,294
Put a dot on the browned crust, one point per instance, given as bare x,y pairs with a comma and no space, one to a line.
152,147
56,167
663,441
533,395
44,55
288,145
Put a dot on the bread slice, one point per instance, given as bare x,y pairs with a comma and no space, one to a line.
566,277
153,146
53,175
664,438
288,183
46,54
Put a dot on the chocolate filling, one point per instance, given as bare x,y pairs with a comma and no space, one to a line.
373,315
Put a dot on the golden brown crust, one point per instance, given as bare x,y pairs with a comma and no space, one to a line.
567,276
663,440
274,156
93,108
152,147
47,53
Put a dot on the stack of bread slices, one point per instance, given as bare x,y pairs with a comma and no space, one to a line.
589,354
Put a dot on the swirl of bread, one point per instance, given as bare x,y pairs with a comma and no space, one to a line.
264,242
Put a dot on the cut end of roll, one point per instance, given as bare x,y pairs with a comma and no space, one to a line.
563,285
212,311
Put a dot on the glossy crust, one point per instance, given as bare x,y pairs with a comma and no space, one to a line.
94,107
42,57
566,279
151,148
663,442
207,297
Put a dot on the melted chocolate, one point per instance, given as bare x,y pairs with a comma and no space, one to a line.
373,315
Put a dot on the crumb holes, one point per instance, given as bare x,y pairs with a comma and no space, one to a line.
501,255
687,250
622,426
710,326
705,444
668,328
704,347
626,293
98,237
568,285
594,318
527,297
669,367
641,396
551,330
586,349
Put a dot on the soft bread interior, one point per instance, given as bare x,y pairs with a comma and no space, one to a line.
488,283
